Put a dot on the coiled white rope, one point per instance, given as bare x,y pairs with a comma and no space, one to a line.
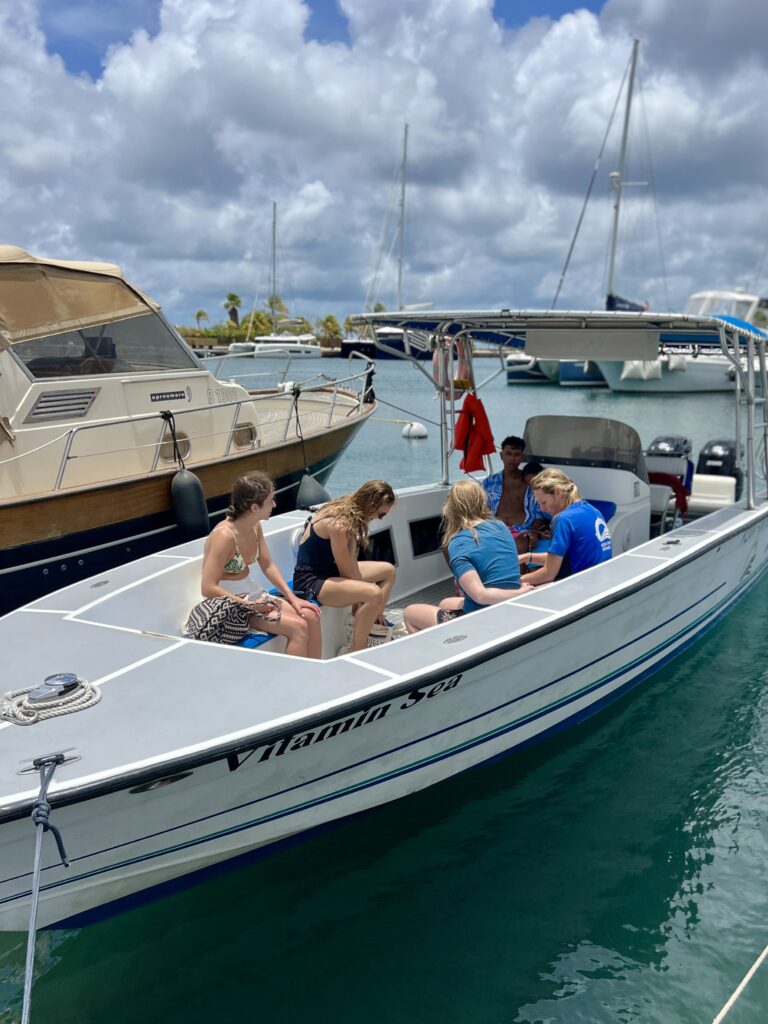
18,709
744,982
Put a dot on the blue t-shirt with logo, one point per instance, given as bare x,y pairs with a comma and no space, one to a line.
580,538
493,556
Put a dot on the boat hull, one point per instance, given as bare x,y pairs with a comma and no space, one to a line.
580,374
367,348
526,370
148,832
49,541
702,375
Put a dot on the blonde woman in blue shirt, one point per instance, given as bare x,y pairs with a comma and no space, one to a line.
482,556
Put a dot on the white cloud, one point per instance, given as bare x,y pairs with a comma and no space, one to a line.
169,163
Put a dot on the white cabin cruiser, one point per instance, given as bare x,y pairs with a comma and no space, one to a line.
276,345
101,402
197,753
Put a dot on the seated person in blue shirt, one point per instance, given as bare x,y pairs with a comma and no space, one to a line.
580,537
505,490
482,556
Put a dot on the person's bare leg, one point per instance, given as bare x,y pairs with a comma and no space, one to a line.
291,626
314,635
339,592
383,575
419,616
368,611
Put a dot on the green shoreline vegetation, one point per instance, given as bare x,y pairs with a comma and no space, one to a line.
260,322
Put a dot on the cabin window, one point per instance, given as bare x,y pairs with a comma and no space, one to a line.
380,548
140,344
425,535
166,446
244,436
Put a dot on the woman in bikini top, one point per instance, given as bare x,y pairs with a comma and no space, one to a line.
235,544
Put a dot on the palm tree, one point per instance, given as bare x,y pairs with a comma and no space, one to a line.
328,327
201,315
275,305
232,303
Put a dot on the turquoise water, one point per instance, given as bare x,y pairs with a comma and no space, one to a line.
613,873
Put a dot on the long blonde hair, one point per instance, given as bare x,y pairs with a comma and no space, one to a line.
551,480
354,511
465,504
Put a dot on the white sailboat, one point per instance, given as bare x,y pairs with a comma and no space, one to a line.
680,366
281,341
389,342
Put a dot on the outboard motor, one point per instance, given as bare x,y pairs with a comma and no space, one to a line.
718,458
671,454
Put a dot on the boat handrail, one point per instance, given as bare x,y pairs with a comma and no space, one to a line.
226,356
331,387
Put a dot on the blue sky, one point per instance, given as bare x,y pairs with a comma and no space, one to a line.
80,31
156,134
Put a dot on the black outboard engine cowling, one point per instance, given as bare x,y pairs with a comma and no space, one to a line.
671,445
718,458
670,454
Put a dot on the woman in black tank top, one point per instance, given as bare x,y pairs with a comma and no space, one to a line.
327,566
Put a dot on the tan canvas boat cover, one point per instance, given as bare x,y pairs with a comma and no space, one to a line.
40,296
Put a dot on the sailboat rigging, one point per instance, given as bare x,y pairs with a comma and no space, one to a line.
281,341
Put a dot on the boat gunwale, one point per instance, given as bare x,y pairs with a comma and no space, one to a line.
343,423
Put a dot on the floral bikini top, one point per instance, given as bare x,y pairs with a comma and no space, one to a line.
237,563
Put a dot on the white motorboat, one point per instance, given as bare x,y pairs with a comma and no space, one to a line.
522,369
686,371
197,754
273,346
724,302
689,370
101,402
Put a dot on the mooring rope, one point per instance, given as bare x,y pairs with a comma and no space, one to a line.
17,709
170,419
41,810
743,984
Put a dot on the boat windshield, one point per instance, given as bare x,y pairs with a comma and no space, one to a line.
584,441
140,344
720,304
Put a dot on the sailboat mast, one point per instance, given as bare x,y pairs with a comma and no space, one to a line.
401,227
273,275
617,177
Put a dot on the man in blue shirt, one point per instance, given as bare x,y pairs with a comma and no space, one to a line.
505,490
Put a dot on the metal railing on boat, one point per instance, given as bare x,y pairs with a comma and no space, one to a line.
325,386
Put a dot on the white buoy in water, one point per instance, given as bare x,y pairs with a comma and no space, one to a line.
416,430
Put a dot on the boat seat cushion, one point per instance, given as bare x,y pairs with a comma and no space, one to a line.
253,640
710,492
607,509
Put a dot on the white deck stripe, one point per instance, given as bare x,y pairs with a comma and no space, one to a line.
126,668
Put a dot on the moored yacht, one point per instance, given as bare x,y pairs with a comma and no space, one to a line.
102,402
